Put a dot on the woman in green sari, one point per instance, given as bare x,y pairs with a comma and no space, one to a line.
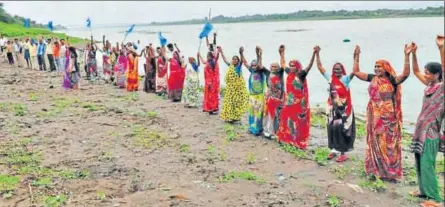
427,136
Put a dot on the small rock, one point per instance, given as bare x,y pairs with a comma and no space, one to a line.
354,187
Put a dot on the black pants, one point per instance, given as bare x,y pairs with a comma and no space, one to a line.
52,66
10,58
41,60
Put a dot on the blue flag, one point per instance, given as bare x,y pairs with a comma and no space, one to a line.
50,25
26,23
206,30
130,30
162,39
88,23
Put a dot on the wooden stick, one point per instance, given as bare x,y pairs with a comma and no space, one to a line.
30,192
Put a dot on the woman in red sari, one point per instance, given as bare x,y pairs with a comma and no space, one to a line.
176,78
383,157
295,120
161,73
339,111
211,83
132,71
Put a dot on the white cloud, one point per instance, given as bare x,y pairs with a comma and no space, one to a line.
102,12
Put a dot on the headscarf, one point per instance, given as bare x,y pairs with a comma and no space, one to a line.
195,67
398,93
297,64
238,67
343,92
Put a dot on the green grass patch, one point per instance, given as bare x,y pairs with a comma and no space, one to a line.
149,139
340,171
250,158
152,114
333,201
18,31
240,175
318,120
374,184
55,201
184,148
8,184
321,156
92,107
297,153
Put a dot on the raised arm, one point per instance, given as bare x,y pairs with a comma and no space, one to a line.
207,41
282,59
311,62
243,58
406,71
416,69
200,58
223,56
439,42
259,56
319,65
214,39
177,48
356,68
356,61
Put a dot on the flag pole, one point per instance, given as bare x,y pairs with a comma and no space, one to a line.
200,41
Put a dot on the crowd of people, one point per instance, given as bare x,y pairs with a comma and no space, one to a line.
277,108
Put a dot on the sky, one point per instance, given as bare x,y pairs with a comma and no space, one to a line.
129,12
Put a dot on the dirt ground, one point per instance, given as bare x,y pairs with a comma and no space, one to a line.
103,146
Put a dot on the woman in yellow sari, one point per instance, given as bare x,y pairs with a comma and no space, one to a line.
132,71
236,97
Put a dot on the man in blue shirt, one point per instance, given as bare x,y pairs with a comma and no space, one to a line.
41,49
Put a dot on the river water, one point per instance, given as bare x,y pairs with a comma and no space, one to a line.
378,38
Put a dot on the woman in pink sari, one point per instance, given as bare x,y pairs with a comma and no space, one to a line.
119,70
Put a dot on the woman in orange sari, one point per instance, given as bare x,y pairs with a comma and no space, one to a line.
295,118
132,71
383,157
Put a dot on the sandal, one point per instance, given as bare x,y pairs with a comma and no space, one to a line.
430,204
342,158
331,155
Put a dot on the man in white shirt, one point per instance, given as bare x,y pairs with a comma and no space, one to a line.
18,50
62,53
49,54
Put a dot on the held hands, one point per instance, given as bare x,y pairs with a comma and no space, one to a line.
408,49
259,51
413,48
219,49
357,51
241,50
317,49
439,41
281,49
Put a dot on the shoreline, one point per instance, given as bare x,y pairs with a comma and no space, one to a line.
265,21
